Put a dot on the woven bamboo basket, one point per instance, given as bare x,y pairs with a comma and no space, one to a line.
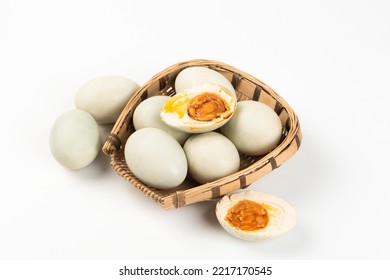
251,167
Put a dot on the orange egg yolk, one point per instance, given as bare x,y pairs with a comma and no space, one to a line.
247,215
206,107
176,104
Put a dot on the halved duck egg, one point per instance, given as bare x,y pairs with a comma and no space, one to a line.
253,215
200,108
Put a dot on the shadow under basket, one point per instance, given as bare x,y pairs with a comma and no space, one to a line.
251,167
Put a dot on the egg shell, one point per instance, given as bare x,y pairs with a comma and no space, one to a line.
211,156
75,139
175,111
156,158
282,215
255,129
105,97
197,76
147,114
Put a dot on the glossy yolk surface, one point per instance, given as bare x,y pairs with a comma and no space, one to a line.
247,215
176,104
206,107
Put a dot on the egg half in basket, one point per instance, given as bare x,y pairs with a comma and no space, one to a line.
200,108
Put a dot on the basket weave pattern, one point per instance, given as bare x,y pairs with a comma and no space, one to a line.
251,167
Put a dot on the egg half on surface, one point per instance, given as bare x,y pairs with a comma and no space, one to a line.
199,109
253,215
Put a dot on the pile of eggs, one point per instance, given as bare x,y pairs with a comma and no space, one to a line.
210,128
75,139
198,133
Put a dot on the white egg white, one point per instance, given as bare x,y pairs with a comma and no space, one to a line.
175,111
282,215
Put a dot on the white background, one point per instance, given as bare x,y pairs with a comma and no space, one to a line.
329,60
